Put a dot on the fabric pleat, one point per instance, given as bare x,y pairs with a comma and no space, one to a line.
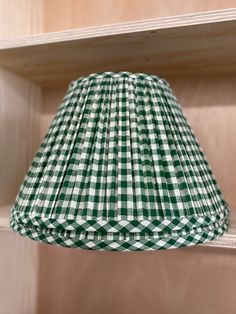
120,169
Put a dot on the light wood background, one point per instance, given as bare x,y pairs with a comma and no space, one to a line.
18,274
188,280
192,45
81,13
20,106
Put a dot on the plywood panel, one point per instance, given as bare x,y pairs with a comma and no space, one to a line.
215,128
19,134
20,103
18,274
52,98
210,106
80,13
188,280
20,17
196,44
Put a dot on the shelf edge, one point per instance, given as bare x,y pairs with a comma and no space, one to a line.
120,28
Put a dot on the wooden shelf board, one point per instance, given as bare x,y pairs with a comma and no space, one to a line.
228,240
4,216
191,44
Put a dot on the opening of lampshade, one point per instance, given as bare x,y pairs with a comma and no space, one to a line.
120,169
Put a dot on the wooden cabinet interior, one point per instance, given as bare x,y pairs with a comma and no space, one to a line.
199,61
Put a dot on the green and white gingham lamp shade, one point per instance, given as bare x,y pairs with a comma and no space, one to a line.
120,169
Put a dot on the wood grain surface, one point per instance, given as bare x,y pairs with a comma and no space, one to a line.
190,280
82,13
20,103
196,44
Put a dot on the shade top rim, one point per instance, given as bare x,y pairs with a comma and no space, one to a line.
121,74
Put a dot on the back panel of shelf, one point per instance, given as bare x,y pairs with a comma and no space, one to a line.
57,280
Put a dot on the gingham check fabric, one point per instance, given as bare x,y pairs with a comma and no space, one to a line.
120,169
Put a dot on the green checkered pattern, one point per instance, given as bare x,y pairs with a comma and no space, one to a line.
120,169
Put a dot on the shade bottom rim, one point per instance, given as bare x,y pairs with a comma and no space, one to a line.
145,243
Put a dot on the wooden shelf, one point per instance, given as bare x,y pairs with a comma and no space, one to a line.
4,216
192,44
228,240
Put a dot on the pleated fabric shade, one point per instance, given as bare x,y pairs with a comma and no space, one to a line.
120,169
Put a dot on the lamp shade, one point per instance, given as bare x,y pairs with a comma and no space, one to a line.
120,169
